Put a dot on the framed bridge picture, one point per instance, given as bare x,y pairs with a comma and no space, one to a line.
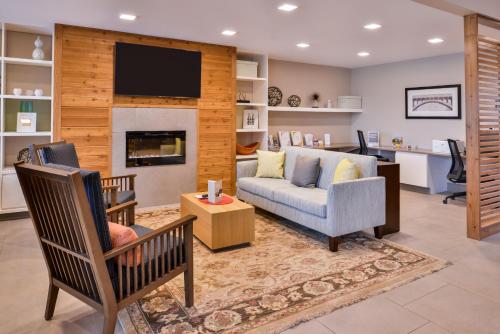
435,102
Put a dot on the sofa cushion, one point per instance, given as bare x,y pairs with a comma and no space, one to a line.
270,164
122,235
61,154
346,171
309,200
262,186
306,171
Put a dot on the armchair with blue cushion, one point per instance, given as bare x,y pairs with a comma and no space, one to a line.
67,209
117,190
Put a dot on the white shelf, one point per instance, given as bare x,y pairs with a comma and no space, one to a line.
318,110
251,104
246,157
27,97
250,79
27,134
8,170
251,130
26,61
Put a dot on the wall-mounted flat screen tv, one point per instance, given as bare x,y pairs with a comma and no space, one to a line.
144,70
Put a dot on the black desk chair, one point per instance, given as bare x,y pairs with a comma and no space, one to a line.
457,173
363,148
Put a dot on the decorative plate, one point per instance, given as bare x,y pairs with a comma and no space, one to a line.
294,101
274,96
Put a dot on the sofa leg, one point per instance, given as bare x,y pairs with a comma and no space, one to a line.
51,301
378,232
334,243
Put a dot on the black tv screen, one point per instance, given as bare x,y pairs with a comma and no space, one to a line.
155,71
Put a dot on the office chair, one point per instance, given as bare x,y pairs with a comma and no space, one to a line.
457,173
363,148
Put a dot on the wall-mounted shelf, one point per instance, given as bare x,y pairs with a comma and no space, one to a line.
246,157
26,97
252,104
318,110
28,134
250,79
251,130
25,61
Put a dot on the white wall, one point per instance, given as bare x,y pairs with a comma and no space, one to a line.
304,80
383,91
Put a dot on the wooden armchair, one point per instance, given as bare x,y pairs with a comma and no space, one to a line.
77,250
117,189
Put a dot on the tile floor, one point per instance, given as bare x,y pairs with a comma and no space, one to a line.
463,298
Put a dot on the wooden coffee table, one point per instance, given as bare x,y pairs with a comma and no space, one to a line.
220,226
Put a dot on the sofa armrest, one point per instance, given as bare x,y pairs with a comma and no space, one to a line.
356,205
246,169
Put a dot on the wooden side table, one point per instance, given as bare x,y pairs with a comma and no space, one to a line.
220,226
390,171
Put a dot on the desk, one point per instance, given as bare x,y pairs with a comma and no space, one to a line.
390,171
418,167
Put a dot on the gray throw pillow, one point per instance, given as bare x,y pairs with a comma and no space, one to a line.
306,171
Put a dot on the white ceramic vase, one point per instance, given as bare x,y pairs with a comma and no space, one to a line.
38,53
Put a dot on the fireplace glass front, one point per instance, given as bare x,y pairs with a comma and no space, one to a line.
154,148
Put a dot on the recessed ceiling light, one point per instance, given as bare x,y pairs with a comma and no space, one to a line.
128,17
286,7
303,45
363,54
435,40
229,32
372,26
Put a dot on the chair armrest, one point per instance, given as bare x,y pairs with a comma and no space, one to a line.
165,253
124,182
356,205
246,169
183,221
113,190
122,214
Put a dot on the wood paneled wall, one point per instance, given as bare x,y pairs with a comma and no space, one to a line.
84,65
482,87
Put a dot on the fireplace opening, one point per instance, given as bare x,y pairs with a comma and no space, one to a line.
154,148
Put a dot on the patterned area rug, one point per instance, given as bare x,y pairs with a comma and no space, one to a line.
286,276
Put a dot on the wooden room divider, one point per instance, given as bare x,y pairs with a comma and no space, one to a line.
482,87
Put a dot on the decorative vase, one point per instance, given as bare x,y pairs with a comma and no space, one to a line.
38,53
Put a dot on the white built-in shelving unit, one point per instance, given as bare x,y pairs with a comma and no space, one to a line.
19,70
255,89
317,110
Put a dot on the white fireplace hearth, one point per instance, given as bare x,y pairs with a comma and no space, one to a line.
157,185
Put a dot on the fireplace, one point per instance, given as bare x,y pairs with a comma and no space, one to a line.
154,148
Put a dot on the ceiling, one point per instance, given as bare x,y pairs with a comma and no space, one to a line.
334,28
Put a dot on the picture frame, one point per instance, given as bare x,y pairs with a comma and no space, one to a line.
373,138
309,139
434,102
297,138
250,119
26,122
284,138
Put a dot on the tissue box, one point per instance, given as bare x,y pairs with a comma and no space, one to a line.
441,146
214,191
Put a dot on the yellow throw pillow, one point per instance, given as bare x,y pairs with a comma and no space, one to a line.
270,164
346,171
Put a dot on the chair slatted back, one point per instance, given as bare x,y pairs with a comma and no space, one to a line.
63,222
37,151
